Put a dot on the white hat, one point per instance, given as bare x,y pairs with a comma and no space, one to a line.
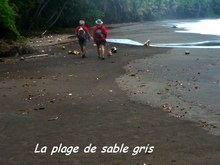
81,22
99,22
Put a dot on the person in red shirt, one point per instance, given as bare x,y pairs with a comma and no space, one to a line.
82,32
99,36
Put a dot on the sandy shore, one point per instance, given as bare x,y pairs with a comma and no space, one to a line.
65,99
186,86
182,81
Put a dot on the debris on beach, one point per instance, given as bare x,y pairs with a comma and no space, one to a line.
114,50
22,59
196,87
52,119
74,52
34,56
205,124
29,97
187,52
52,101
109,53
132,75
23,112
78,62
39,108
167,107
147,43
59,40
178,116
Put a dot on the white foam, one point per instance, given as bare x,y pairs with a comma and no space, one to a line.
125,41
206,27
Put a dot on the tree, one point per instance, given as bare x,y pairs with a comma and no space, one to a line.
7,23
215,5
46,14
193,8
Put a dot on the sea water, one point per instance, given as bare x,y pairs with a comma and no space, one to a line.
206,27
137,34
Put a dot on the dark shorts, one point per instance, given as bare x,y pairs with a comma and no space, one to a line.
98,43
82,42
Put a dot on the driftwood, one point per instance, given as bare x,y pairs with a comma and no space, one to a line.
34,56
147,43
42,34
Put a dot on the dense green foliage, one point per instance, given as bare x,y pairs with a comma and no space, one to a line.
45,14
7,23
138,10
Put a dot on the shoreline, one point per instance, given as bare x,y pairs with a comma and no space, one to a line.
175,79
182,85
66,99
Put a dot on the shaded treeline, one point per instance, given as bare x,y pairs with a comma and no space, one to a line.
46,14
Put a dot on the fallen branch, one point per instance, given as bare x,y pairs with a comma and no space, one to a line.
34,56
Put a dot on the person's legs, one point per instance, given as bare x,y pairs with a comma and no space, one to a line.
98,49
83,47
102,51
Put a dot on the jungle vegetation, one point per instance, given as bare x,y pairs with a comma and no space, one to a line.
18,16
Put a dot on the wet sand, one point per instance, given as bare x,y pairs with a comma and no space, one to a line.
184,85
182,81
66,99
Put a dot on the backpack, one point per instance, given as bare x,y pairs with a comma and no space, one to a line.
81,33
99,33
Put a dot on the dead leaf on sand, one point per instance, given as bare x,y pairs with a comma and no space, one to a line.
23,112
167,107
205,124
52,119
132,75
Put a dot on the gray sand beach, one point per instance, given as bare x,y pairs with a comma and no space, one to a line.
126,99
183,81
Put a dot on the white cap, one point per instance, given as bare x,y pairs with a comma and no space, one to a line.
82,22
99,22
